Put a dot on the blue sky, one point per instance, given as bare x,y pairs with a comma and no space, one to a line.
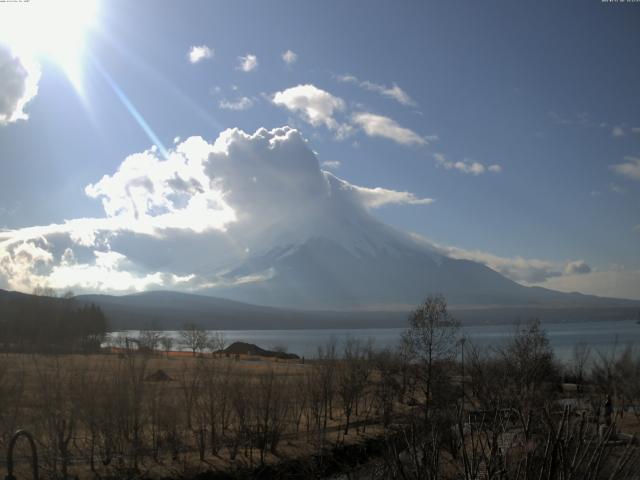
521,121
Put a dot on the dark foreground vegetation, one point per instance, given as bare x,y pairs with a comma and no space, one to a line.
44,323
436,408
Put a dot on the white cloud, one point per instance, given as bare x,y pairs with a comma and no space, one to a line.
519,269
527,271
380,126
247,63
289,57
378,197
186,221
316,106
615,188
635,129
617,131
557,118
243,103
347,78
19,78
472,168
332,164
319,107
577,267
109,272
580,119
199,53
617,283
630,169
636,228
393,92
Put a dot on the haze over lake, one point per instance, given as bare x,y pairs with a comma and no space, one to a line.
601,336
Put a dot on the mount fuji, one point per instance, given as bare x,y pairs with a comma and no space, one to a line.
338,256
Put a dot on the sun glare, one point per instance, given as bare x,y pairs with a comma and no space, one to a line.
55,29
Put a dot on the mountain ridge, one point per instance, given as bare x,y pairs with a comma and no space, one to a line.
169,310
321,274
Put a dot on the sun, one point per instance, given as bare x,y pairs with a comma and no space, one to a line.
55,29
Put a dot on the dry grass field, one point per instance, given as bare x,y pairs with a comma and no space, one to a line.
357,411
171,415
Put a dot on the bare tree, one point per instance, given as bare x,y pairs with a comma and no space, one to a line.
298,402
617,373
269,408
217,342
431,339
44,291
315,394
11,397
240,425
68,295
117,340
194,337
325,370
522,373
149,340
580,356
190,382
628,377
127,407
386,388
167,344
215,401
58,417
530,365
352,377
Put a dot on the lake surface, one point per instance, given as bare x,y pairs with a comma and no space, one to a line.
601,336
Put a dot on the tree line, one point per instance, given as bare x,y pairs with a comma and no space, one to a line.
45,323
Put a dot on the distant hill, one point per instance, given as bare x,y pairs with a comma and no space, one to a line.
171,310
168,310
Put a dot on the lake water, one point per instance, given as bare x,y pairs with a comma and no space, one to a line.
601,336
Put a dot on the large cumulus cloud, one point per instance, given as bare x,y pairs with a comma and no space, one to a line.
18,85
185,221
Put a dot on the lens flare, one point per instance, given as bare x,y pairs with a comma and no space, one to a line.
55,30
132,110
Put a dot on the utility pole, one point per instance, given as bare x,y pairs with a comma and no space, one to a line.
462,342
